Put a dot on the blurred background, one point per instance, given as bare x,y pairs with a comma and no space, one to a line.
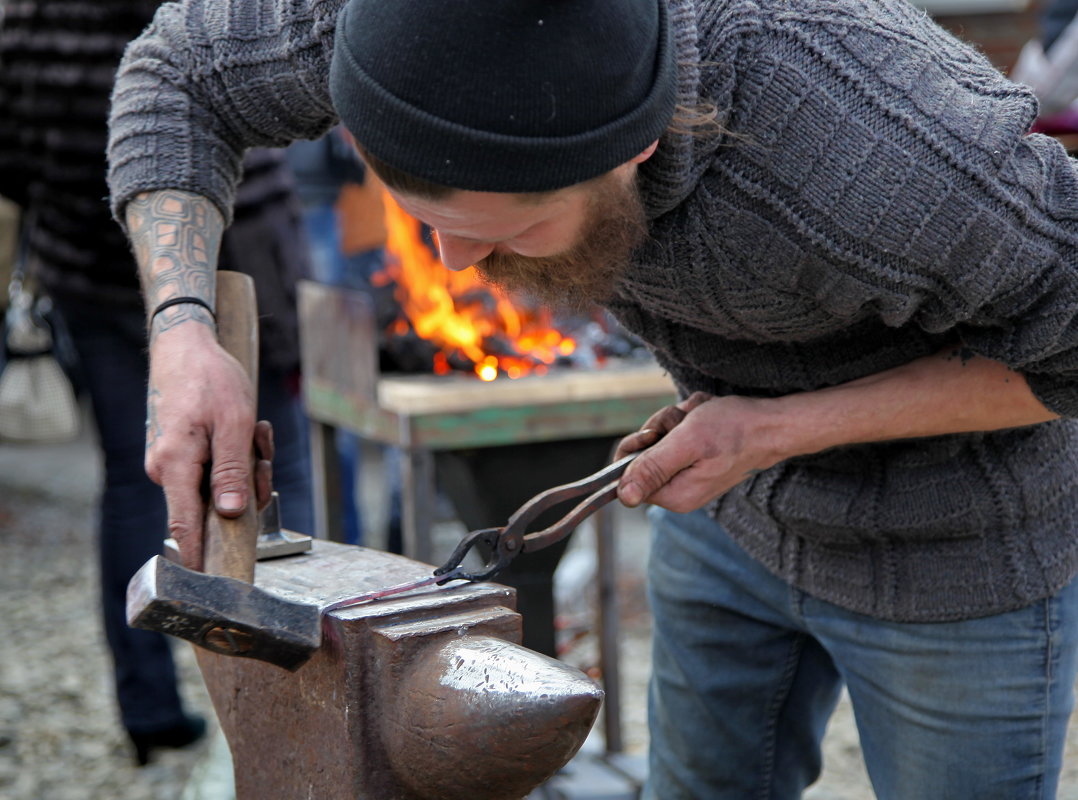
61,737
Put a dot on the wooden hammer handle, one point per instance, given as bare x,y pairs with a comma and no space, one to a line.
229,545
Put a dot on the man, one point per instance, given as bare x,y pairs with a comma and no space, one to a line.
861,274
56,67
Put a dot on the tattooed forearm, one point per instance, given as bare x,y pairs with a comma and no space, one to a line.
175,237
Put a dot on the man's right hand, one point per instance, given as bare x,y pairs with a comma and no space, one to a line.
200,405
200,412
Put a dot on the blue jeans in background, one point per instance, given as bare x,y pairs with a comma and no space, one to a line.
747,671
111,344
332,266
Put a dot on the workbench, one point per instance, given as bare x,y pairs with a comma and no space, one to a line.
421,414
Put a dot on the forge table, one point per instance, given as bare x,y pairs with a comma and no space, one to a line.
422,414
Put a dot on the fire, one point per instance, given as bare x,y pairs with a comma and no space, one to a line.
461,315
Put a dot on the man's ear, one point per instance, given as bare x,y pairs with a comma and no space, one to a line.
646,154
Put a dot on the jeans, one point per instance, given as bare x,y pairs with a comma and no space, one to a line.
747,671
111,344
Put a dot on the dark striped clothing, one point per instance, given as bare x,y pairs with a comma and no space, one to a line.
58,62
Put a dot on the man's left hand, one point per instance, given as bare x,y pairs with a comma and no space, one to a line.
698,449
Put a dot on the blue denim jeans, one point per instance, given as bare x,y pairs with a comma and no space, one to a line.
747,671
111,344
332,266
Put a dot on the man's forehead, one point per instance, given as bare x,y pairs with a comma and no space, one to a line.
479,209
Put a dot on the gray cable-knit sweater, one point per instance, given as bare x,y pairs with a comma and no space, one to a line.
877,200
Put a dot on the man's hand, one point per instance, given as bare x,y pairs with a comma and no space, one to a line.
699,449
200,403
201,414
702,447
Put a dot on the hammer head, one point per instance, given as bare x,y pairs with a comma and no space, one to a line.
223,615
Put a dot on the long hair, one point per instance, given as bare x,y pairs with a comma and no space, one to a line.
700,120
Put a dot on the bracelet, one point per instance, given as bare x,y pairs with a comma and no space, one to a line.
175,301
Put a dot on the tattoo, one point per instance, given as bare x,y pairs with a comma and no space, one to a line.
153,427
175,237
964,354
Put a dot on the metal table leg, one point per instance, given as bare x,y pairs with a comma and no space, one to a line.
418,496
325,482
608,628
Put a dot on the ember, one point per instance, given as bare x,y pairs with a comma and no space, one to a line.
472,326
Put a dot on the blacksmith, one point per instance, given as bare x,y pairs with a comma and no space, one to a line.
829,223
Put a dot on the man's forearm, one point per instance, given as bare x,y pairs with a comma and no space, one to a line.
176,236
950,392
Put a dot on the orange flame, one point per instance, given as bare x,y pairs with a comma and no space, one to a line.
460,314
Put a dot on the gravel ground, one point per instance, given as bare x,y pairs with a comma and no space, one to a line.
59,734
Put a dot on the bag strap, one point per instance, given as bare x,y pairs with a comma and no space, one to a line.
25,332
23,267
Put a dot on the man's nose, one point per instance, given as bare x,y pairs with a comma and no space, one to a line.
458,254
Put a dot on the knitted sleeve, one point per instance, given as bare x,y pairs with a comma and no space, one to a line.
209,79
891,170
1021,304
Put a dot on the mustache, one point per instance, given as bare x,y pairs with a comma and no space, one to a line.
571,281
585,274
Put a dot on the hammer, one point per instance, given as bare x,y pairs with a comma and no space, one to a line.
220,609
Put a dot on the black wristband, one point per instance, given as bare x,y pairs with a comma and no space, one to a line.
175,301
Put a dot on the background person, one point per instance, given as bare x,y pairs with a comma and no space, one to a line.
347,235
57,62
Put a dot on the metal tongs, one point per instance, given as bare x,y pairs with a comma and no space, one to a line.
507,542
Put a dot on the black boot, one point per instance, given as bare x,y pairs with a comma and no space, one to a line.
187,732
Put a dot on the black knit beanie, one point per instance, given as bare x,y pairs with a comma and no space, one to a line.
504,95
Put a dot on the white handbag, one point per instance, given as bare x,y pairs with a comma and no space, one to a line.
37,400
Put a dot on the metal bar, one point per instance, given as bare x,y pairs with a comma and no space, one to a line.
608,627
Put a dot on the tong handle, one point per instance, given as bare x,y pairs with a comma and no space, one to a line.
600,488
568,523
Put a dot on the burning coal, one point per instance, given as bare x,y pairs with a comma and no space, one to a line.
472,326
